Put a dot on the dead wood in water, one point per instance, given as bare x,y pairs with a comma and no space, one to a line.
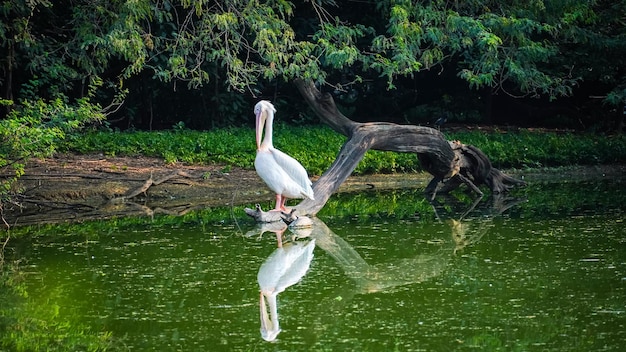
475,169
149,183
364,136
263,216
450,161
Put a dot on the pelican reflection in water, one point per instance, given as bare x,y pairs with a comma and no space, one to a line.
283,268
287,265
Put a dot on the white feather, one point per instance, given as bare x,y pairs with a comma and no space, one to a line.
283,174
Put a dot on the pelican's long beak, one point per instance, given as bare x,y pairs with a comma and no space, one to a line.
270,327
260,123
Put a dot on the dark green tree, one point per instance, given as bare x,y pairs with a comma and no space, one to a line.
206,49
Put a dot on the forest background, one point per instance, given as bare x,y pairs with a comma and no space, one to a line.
71,66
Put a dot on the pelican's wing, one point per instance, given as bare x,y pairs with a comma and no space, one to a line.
272,269
285,266
300,257
295,170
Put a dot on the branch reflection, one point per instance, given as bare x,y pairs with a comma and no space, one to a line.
291,260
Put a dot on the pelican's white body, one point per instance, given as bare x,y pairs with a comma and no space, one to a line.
283,174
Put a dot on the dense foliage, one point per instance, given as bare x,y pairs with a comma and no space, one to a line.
34,130
317,147
204,62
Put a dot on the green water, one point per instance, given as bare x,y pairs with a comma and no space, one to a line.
547,274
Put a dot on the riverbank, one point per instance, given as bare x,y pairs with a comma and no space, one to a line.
70,188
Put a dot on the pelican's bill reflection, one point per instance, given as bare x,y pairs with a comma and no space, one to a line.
285,267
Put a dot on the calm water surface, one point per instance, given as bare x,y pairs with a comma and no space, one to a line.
548,274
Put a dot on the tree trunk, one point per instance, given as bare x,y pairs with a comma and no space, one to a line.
457,162
427,142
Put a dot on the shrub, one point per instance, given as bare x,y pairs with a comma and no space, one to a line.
34,129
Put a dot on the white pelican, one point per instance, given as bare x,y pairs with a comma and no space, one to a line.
283,268
283,174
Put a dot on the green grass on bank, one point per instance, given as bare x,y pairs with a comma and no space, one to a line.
316,148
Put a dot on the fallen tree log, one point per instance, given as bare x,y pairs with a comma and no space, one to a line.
474,165
452,162
149,183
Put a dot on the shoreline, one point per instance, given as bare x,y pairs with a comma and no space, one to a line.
74,188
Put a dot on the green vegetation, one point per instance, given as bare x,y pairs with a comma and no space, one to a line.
35,129
147,65
316,148
546,149
179,60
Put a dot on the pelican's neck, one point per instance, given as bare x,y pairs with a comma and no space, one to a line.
267,139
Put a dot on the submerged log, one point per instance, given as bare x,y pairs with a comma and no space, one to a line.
452,162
